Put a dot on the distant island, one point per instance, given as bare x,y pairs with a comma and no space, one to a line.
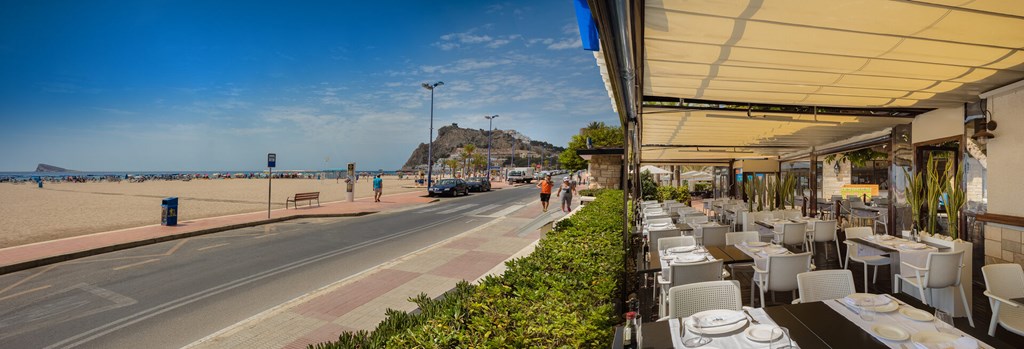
51,168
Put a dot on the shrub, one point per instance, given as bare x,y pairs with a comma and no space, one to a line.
648,188
591,192
680,194
561,295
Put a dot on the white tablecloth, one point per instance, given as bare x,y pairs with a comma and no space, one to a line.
892,319
911,256
735,341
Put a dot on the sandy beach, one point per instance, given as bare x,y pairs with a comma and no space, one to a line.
29,214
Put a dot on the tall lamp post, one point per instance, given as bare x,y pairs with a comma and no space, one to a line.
430,146
490,129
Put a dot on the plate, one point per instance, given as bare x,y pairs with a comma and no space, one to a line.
757,244
890,332
691,258
681,249
914,246
762,333
933,337
722,313
916,314
888,307
754,250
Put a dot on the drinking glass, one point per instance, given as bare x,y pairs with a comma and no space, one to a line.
945,323
867,312
700,340
784,342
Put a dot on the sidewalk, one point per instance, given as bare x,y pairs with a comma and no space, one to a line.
359,302
48,252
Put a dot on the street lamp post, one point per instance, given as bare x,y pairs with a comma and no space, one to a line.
490,129
430,146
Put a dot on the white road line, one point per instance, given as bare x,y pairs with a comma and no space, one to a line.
505,212
457,209
429,209
137,317
482,209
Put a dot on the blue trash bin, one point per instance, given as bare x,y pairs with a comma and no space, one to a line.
169,217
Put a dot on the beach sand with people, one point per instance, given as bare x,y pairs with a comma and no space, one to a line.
59,210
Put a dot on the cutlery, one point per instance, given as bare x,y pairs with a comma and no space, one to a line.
854,310
751,317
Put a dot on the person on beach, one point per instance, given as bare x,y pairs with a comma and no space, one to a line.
378,188
565,191
545,191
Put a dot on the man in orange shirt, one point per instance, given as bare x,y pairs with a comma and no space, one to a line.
545,191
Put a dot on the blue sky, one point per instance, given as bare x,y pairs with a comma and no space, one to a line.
215,85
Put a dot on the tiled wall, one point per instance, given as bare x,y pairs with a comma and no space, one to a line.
1003,244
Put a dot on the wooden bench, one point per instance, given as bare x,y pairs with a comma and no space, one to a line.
308,197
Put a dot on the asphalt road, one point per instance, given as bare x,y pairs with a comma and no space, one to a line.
170,294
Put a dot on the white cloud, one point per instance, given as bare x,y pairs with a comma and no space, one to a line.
565,44
498,43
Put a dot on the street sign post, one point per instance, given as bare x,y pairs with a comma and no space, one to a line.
350,182
271,163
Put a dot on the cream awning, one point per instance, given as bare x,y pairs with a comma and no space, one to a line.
863,54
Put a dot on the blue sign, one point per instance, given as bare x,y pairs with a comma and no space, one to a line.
271,160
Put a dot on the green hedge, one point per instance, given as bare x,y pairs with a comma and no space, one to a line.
561,295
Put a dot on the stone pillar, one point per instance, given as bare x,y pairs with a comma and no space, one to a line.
605,171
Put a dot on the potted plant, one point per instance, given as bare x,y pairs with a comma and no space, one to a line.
915,197
933,192
956,197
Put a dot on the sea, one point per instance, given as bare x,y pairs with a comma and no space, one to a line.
29,176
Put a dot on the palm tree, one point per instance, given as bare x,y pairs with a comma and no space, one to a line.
467,155
453,164
479,161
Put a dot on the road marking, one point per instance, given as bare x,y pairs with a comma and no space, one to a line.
25,292
456,209
30,277
504,212
430,209
140,316
212,246
137,263
482,209
265,235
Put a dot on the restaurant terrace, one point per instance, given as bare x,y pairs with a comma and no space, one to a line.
865,159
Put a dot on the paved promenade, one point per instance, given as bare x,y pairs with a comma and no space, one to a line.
355,303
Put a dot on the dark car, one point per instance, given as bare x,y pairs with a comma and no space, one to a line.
478,184
449,186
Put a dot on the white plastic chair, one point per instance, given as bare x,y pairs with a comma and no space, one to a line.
675,241
714,235
851,254
741,237
941,270
696,218
825,231
1002,283
690,299
657,235
659,221
688,273
791,214
794,234
882,219
821,285
779,214
779,274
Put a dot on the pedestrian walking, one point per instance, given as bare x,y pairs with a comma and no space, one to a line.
378,188
545,191
565,191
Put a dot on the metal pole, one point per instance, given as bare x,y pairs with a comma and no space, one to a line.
490,130
270,179
430,146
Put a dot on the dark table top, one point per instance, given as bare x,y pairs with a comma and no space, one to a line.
885,248
728,254
811,325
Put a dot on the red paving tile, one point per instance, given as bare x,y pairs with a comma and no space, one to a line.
327,332
470,265
339,302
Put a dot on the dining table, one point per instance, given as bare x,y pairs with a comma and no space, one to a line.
897,250
833,324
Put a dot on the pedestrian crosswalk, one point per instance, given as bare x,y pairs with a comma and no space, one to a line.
475,210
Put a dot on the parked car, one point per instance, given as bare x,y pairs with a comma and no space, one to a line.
478,184
449,186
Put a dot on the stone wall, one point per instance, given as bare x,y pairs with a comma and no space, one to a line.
605,171
1003,244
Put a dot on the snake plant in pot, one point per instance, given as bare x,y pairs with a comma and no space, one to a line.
956,197
915,197
933,192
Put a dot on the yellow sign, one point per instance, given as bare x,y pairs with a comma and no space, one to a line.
859,190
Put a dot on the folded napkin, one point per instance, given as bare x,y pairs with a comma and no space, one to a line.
959,343
913,246
875,300
722,318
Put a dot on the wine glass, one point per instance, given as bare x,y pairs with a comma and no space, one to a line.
784,342
700,340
